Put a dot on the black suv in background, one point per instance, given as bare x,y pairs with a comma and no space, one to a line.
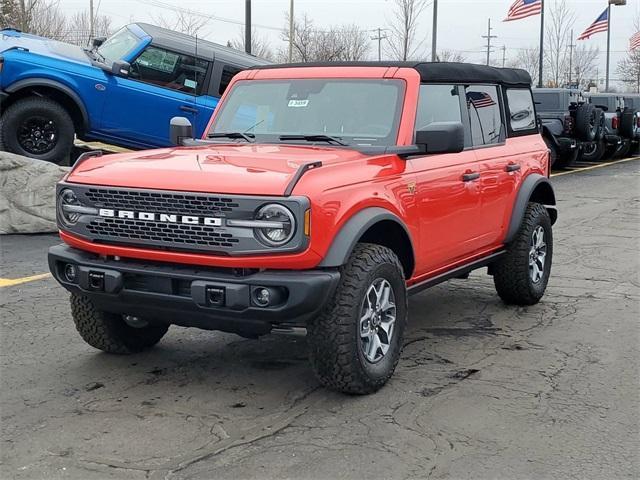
617,125
632,101
568,123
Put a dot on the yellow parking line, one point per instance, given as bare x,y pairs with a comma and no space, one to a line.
9,282
102,146
577,170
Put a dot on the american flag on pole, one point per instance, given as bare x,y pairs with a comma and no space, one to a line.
634,42
600,25
523,9
480,99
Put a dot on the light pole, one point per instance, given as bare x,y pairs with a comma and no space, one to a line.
247,26
434,33
611,2
291,32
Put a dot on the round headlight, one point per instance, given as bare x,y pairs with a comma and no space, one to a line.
68,199
276,236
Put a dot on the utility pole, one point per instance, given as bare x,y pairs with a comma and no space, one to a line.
434,33
91,17
247,26
291,32
571,47
488,36
504,55
606,83
379,38
541,59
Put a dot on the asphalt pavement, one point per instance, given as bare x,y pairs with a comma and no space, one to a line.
482,391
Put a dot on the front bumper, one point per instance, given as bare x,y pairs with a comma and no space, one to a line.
208,298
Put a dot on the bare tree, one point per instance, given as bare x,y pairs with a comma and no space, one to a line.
402,43
585,65
182,21
527,59
629,68
558,36
260,46
347,42
40,17
80,27
450,56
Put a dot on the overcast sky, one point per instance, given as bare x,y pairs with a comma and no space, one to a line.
460,22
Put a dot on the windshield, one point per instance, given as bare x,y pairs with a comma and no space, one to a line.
118,45
355,112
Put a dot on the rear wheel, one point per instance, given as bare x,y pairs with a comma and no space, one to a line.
521,275
110,332
592,151
624,149
586,122
356,342
39,128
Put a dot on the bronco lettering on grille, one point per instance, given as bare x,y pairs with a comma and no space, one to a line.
161,217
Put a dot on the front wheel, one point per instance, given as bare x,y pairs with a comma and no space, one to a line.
356,342
593,151
37,127
110,332
522,274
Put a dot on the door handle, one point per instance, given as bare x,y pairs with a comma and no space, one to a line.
471,176
512,167
186,108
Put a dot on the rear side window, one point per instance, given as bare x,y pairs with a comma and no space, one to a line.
437,103
548,101
228,72
167,69
484,114
521,111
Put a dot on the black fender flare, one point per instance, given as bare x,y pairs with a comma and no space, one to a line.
47,82
541,187
347,238
546,132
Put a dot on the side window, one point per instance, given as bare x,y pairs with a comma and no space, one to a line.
484,114
172,70
228,72
437,103
521,112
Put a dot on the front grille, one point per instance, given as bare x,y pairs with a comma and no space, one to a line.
157,202
173,233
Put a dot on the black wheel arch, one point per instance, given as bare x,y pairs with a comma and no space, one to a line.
372,225
55,90
547,133
535,188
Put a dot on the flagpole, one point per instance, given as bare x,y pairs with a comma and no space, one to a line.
606,83
541,44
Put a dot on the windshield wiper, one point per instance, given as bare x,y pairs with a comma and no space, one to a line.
249,137
315,138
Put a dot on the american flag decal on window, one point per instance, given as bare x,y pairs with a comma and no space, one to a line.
480,99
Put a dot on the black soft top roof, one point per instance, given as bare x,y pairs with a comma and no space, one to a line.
436,72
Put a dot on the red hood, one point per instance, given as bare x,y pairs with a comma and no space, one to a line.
240,169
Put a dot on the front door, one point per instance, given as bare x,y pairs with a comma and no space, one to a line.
161,85
447,187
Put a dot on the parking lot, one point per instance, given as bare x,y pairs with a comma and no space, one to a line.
482,390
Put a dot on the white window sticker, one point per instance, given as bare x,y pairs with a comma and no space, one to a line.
298,103
190,83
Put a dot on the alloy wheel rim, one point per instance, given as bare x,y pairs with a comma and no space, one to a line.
38,135
377,320
537,254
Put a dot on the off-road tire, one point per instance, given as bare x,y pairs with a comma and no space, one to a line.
623,149
554,155
511,272
600,123
14,116
334,344
109,332
586,122
596,154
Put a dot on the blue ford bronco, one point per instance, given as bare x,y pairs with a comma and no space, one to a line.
123,90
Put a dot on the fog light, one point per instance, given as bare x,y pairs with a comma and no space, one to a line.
70,272
262,296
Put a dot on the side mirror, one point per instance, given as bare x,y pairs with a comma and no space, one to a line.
179,129
121,68
441,137
96,42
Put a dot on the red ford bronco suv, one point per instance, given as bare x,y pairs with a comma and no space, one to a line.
321,196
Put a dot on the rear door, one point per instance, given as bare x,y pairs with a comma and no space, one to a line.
447,186
162,84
